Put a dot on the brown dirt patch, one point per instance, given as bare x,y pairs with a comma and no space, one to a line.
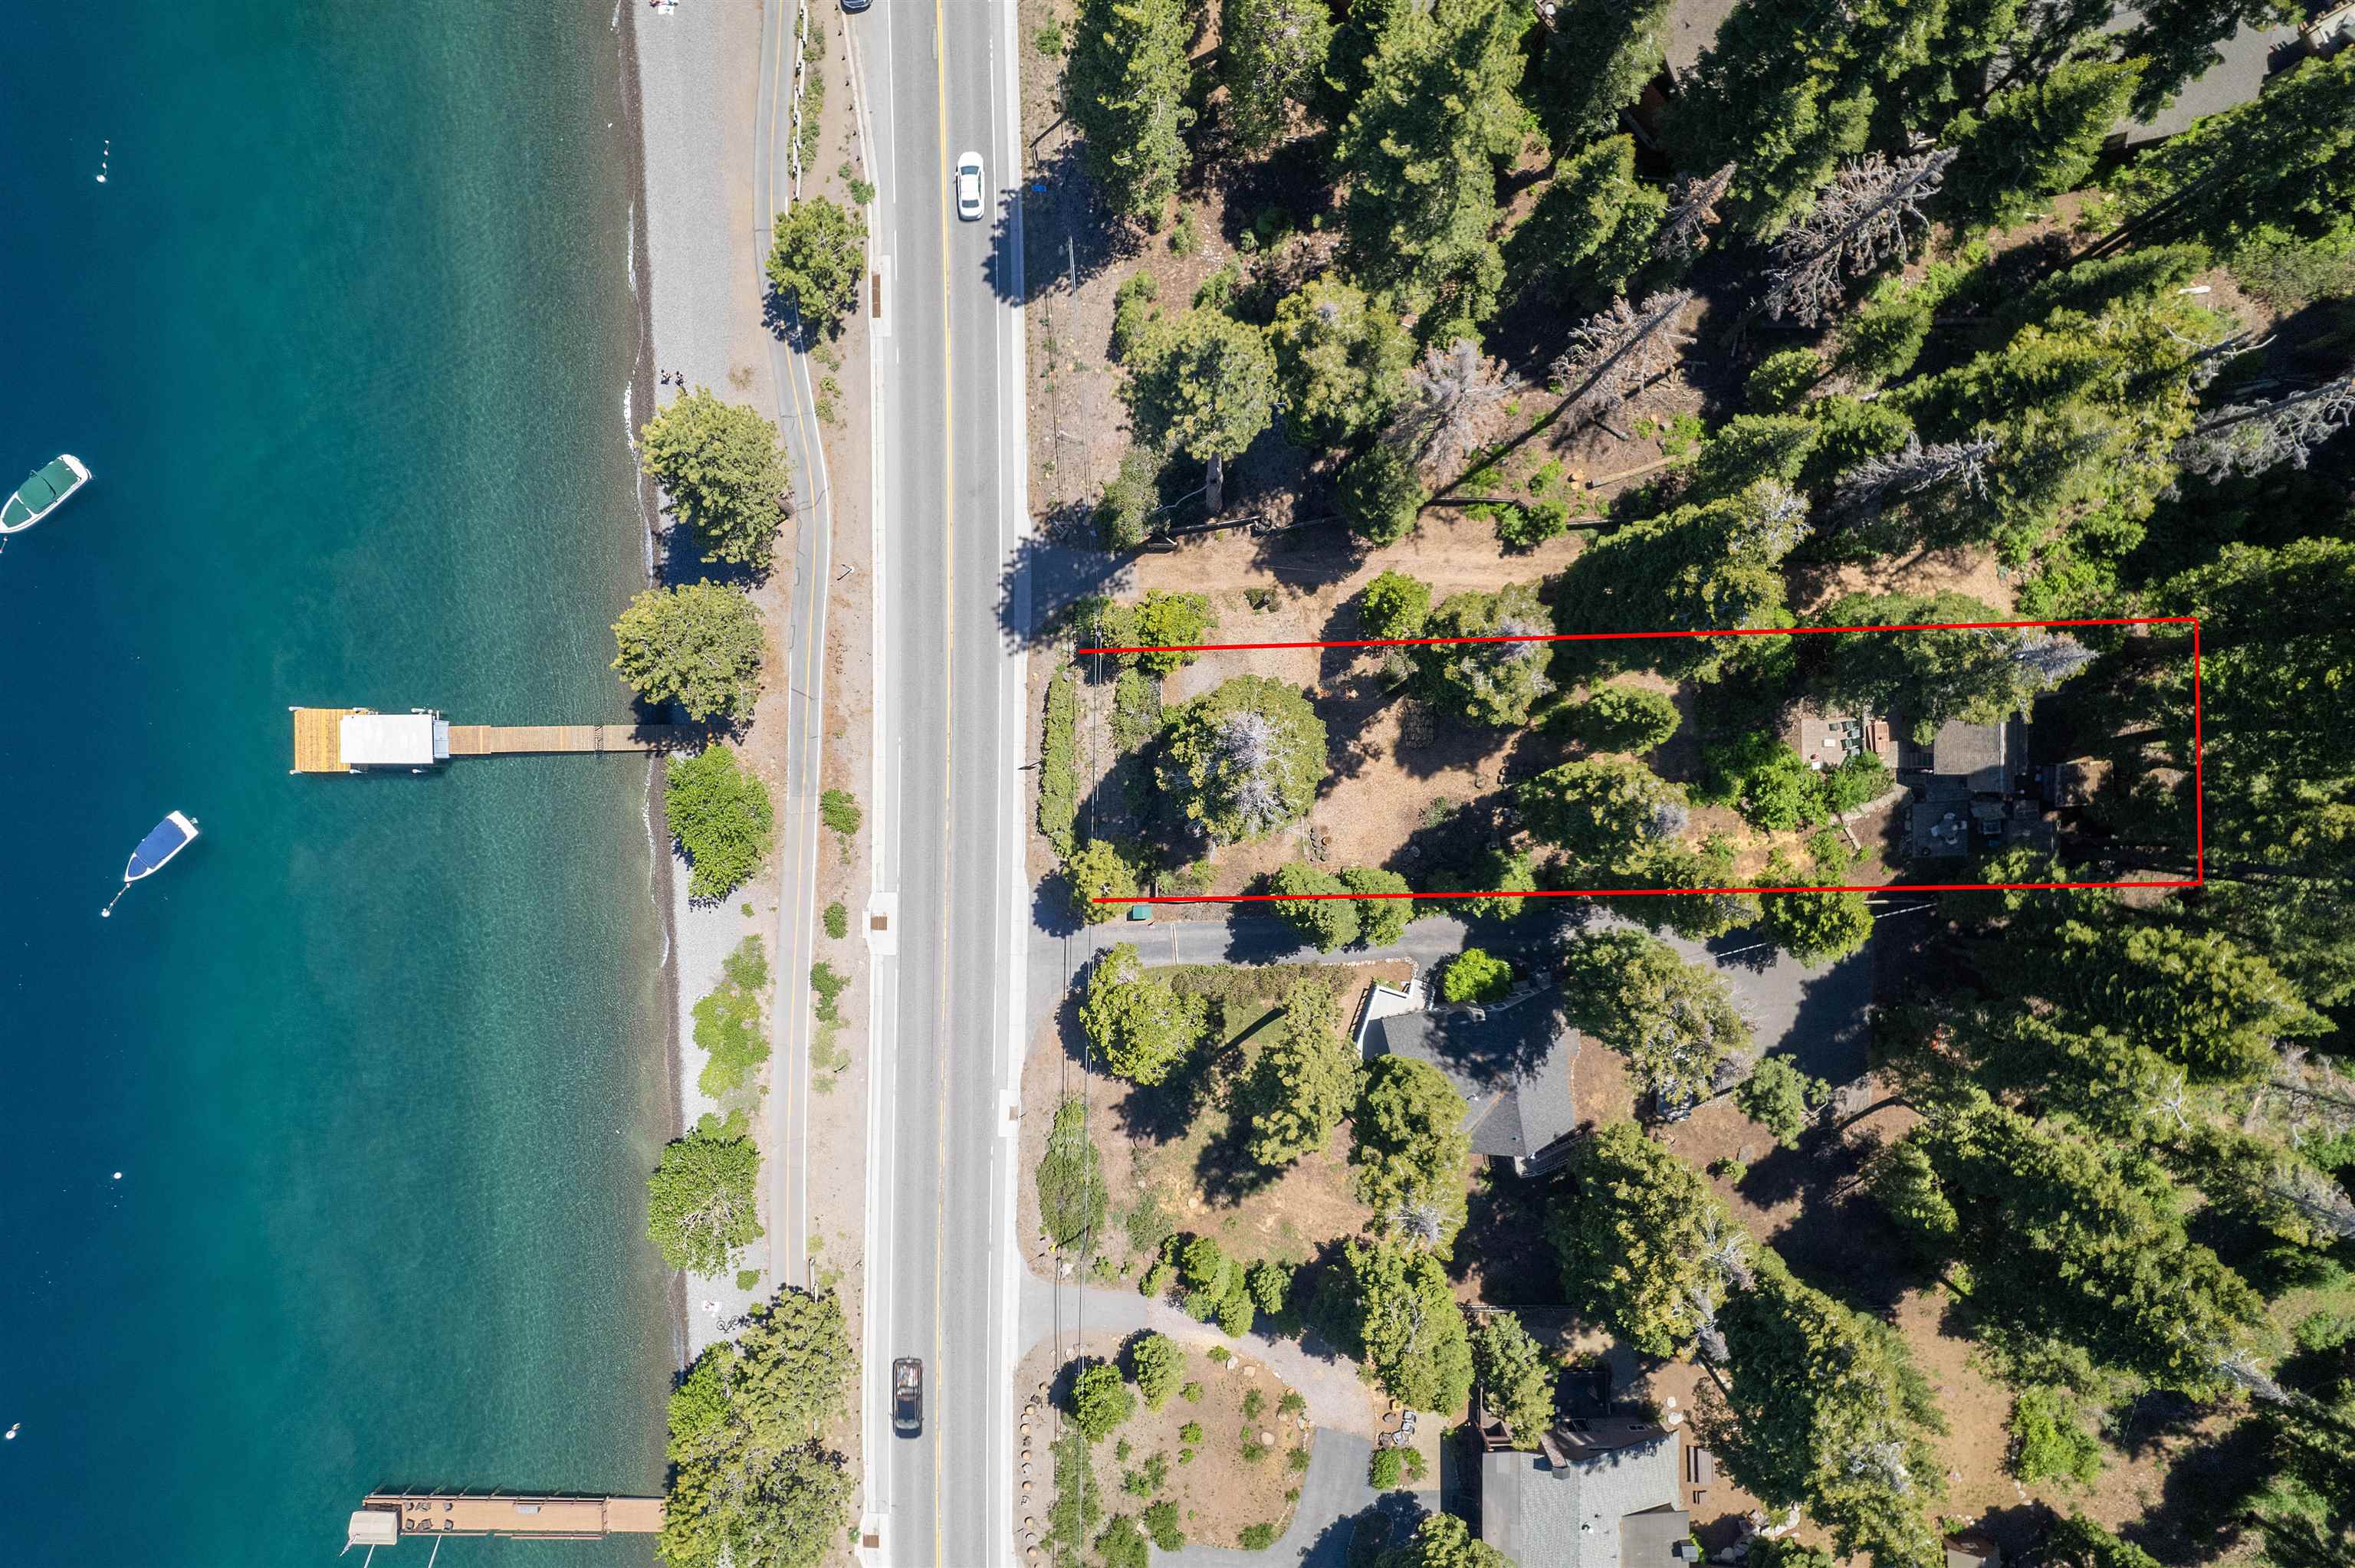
1217,1491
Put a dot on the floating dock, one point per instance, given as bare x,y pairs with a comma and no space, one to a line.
386,1519
351,740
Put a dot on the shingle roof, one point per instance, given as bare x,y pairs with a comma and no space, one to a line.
1533,1512
1511,1065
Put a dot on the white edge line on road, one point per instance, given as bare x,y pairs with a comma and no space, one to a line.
1010,1254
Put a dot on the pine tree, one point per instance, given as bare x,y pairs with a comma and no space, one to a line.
1516,1375
1329,923
2284,161
1495,684
1673,1021
1436,111
1139,1025
1271,57
1593,224
1645,1243
1605,812
1126,88
1244,760
1202,383
1598,57
1413,1155
2034,140
1303,1083
1341,359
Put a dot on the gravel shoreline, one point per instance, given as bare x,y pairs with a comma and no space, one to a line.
690,84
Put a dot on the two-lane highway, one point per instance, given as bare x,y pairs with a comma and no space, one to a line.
938,80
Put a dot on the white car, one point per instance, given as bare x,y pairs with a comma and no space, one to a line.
968,186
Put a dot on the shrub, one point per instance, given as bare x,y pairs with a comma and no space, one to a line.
1234,1311
720,815
1133,311
1058,762
1135,709
1121,1544
1394,605
1475,975
1385,1471
697,645
1100,1401
838,809
1270,1283
727,1024
1099,869
2048,1443
838,920
1126,513
1257,1537
1155,1283
1160,1522
1765,779
1070,1184
1192,1394
747,1278
1192,1431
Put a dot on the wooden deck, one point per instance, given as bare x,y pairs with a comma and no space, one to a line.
544,1518
523,740
319,741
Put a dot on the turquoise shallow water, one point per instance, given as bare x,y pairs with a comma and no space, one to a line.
344,337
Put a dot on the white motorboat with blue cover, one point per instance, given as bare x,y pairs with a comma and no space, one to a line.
169,838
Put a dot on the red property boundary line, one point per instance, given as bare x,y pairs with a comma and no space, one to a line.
2199,779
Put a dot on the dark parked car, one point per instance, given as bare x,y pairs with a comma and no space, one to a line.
908,1397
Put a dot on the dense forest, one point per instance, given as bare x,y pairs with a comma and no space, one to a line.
1922,302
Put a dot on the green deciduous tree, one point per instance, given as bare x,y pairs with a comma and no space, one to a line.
752,1480
697,645
1420,143
1271,59
1161,619
1495,684
1673,1021
1125,87
1444,1540
1605,812
1827,1412
720,815
1814,926
1475,975
1202,383
1380,921
1070,1184
720,466
1644,1242
817,258
1245,758
1303,1083
2034,140
1329,923
1100,1401
1341,358
700,1199
1396,1311
1136,1022
1413,1156
1516,1376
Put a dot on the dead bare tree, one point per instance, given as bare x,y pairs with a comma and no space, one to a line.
2052,659
1866,487
1692,207
2250,438
1446,397
1859,222
1617,351
1247,744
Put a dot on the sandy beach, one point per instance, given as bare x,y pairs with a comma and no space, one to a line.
697,272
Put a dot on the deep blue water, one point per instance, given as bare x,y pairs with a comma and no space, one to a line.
344,337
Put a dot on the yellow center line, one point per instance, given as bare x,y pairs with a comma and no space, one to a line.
948,724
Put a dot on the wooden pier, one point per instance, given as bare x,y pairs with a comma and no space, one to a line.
527,740
386,1519
350,740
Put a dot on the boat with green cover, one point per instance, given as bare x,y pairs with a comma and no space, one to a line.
46,489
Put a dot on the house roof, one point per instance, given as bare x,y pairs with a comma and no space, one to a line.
1971,751
2247,59
1574,1511
1510,1063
